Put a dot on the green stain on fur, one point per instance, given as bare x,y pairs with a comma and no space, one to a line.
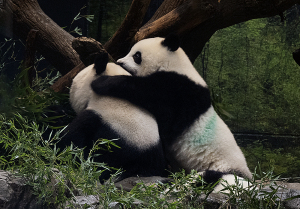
208,134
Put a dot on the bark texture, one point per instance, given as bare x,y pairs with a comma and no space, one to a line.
52,41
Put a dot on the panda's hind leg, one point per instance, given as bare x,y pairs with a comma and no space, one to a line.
224,180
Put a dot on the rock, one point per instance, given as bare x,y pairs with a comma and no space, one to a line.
284,192
294,203
128,183
14,193
287,191
82,201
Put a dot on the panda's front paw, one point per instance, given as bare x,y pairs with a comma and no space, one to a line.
100,63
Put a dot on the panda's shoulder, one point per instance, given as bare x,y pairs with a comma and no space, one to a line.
169,78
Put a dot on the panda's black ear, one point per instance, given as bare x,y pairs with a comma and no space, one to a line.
172,42
100,63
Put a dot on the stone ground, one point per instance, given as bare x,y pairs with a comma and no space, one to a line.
15,194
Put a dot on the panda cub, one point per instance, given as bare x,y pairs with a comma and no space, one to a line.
106,117
168,86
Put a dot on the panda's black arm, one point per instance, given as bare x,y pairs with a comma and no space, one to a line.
161,88
133,89
172,98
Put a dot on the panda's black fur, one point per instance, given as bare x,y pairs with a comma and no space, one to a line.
89,126
172,98
167,85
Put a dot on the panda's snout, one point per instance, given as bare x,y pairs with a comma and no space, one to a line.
123,65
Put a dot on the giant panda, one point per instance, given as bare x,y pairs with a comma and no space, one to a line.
140,151
165,83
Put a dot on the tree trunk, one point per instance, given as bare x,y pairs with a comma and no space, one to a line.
28,62
129,27
231,12
197,20
181,19
194,20
52,41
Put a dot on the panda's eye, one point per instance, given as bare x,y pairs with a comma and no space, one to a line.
137,57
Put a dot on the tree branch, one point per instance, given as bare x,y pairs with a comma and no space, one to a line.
52,41
88,49
120,43
166,7
182,19
62,84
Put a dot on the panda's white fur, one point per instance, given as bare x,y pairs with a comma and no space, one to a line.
155,58
228,180
207,143
132,122
80,90
141,152
218,149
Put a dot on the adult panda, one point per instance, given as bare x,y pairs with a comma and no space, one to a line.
168,86
140,151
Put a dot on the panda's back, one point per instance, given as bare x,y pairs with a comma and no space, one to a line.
133,123
208,144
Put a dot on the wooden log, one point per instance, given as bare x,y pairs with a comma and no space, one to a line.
166,7
182,19
62,85
88,49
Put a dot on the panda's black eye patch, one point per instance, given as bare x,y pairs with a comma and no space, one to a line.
137,57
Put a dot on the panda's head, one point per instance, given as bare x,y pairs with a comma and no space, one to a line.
81,91
159,54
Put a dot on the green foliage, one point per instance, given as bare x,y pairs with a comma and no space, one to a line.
89,18
268,104
250,68
285,160
182,192
255,85
262,194
190,191
27,153
39,161
110,13
18,97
